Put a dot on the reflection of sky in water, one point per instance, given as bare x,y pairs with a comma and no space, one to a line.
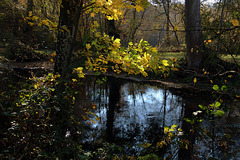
144,110
140,112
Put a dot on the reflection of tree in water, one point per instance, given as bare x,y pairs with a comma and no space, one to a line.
136,113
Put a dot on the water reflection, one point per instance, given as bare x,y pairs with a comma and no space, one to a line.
135,112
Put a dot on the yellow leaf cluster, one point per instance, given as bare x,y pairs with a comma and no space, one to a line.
235,22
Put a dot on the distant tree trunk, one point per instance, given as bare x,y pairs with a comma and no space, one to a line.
15,18
168,24
30,5
135,24
70,12
193,33
111,29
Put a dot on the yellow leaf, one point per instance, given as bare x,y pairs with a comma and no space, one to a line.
211,20
139,8
235,22
51,60
117,40
30,13
35,86
176,28
166,130
92,14
191,50
171,130
154,49
159,144
74,80
165,62
174,126
195,80
88,46
130,43
146,145
93,121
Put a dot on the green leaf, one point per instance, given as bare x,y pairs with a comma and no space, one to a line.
188,120
217,104
219,113
223,88
202,107
216,88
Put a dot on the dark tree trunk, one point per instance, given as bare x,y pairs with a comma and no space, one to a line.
70,12
168,24
193,33
30,5
111,29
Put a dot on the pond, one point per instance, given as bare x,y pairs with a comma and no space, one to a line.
131,114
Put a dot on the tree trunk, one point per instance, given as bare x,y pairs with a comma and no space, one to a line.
70,12
30,6
111,29
193,33
168,24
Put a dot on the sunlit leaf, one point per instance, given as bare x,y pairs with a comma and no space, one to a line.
139,8
88,46
176,28
159,144
74,80
217,104
166,130
223,88
171,130
235,22
195,80
174,126
165,62
92,14
219,113
117,40
216,87
202,107
154,49
35,86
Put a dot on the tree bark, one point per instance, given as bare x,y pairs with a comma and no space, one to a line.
193,33
70,12
111,29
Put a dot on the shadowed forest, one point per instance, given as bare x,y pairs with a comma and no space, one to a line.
119,80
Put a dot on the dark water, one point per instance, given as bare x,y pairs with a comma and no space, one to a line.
134,113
